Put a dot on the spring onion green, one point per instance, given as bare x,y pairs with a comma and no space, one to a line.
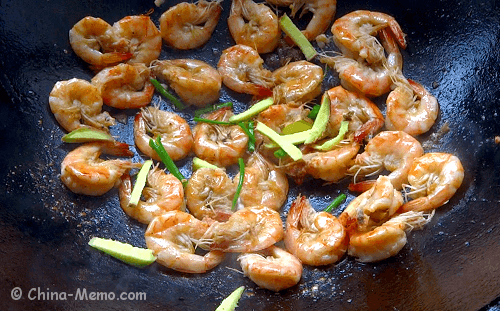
166,94
241,164
289,148
167,160
329,144
213,108
335,203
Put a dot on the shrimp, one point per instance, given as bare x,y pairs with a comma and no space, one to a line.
174,132
272,268
91,39
385,240
330,166
434,178
278,116
354,34
138,36
241,68
394,151
249,229
221,145
83,172
172,238
316,238
254,25
209,193
323,13
363,115
373,207
163,193
77,103
189,25
298,81
370,79
125,86
411,108
263,184
196,82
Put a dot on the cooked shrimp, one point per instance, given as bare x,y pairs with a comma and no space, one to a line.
370,79
162,193
172,238
249,229
254,25
264,183
76,103
241,68
174,132
298,81
91,39
323,12
394,151
272,268
354,34
125,86
316,238
221,145
433,178
373,207
411,108
386,240
280,115
209,193
82,171
330,166
189,25
196,82
364,117
139,36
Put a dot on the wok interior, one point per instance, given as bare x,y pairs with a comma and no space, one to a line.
452,50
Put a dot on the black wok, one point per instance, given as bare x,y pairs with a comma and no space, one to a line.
453,264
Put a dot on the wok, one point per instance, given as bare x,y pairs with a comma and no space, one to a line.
453,264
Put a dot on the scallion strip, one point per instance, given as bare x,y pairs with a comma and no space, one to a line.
166,94
329,144
196,119
213,108
85,134
338,200
248,128
297,36
280,153
140,182
314,112
167,160
231,302
241,164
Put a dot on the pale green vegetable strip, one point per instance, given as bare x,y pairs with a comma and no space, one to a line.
231,301
298,37
127,253
321,120
85,134
289,148
140,182
199,163
329,144
250,112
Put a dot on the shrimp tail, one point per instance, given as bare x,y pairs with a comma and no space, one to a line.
361,186
398,33
263,92
117,148
367,129
116,57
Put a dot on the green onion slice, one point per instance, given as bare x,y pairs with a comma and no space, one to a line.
250,112
329,144
127,253
280,153
289,148
298,37
321,121
140,182
85,134
166,94
197,119
213,108
231,301
241,164
314,112
335,203
167,160
248,128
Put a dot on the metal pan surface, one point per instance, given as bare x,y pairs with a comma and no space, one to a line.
44,229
